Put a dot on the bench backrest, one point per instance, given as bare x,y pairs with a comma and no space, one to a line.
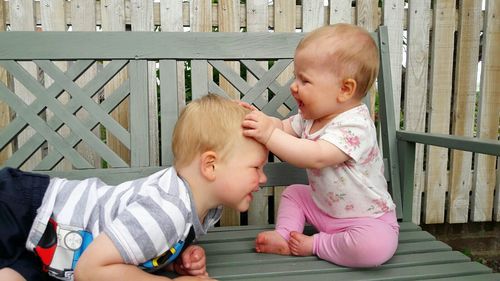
49,127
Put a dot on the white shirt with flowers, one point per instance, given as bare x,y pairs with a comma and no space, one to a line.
357,187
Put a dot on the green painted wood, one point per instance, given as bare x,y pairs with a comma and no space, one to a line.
386,110
168,106
199,78
422,272
139,120
479,277
108,105
147,45
249,235
86,102
270,76
398,260
485,146
407,169
252,264
39,124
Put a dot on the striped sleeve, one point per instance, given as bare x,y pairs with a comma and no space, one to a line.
147,227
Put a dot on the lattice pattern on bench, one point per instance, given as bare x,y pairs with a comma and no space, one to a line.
63,105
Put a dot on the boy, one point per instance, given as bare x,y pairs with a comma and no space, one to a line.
140,225
334,138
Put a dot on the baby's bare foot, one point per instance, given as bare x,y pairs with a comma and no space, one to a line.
271,242
300,244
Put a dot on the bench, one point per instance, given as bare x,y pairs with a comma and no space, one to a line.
230,250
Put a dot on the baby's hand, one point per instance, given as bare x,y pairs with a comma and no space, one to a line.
192,262
259,126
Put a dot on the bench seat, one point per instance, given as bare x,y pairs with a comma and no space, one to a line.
231,256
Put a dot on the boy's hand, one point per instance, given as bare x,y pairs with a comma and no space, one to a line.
192,262
259,126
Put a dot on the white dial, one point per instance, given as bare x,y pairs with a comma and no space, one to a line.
73,240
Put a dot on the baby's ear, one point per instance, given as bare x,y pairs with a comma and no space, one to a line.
348,89
207,167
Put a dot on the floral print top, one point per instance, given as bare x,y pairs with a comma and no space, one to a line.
357,187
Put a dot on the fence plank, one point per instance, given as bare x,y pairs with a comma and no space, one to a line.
257,21
313,14
22,19
416,87
6,152
340,11
366,15
84,19
464,96
113,19
488,115
392,14
439,114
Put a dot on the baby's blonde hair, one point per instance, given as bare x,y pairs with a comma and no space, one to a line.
210,123
350,52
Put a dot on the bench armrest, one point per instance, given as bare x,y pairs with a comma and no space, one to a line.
484,146
407,141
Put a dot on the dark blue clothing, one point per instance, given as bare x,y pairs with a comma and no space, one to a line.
21,194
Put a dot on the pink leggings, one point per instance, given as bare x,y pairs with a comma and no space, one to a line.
353,242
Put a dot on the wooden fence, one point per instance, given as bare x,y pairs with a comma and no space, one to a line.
434,79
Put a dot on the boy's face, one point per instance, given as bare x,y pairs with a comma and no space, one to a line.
240,174
315,87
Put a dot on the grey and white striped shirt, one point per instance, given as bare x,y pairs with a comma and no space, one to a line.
143,217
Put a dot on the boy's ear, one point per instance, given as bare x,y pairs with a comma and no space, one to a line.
208,159
347,90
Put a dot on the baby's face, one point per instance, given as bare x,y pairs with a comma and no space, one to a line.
316,86
241,174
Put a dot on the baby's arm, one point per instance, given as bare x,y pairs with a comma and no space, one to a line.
282,141
102,261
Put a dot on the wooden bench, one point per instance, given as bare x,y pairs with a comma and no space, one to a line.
230,250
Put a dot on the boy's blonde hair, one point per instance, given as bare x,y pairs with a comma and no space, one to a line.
350,52
210,123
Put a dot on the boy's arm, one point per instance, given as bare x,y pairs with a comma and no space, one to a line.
102,261
283,143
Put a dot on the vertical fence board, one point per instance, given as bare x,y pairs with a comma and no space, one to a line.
23,19
313,14
113,19
257,21
488,115
416,87
229,21
201,16
464,96
340,11
284,21
83,15
393,12
142,20
436,182
171,12
367,17
4,108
